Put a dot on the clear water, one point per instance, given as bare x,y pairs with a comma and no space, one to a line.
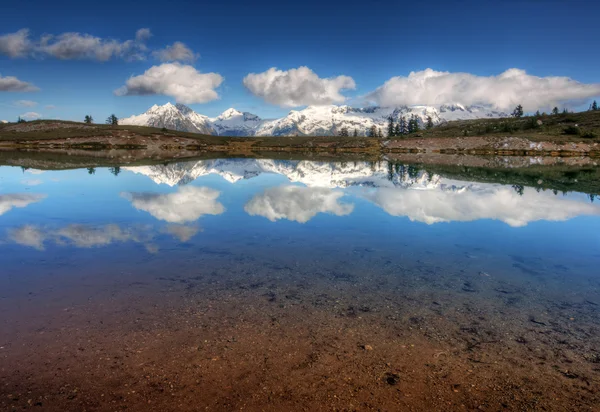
155,264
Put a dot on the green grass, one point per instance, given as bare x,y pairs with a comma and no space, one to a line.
569,127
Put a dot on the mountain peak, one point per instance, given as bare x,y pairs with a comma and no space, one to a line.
229,113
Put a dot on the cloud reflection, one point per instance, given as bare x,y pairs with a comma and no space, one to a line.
188,204
89,236
479,202
297,203
10,201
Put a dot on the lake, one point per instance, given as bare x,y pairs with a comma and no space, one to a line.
232,284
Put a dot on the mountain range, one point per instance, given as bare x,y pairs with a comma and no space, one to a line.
311,121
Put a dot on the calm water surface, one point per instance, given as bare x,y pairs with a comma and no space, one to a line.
273,285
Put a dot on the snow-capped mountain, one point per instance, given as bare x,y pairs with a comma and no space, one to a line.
312,121
173,117
235,123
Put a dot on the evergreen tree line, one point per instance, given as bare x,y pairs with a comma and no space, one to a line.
112,120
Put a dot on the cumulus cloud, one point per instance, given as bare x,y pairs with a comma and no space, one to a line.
479,202
25,103
188,204
72,46
182,82
12,84
175,52
297,87
143,35
7,202
297,203
505,91
31,115
15,44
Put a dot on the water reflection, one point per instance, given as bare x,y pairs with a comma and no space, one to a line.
479,201
188,204
79,235
297,203
18,200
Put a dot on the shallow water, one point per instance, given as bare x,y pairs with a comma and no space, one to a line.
292,285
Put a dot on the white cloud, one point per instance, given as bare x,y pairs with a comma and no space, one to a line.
182,82
31,116
504,91
297,87
71,46
297,203
15,44
7,202
25,103
176,52
50,107
142,35
485,201
12,84
188,204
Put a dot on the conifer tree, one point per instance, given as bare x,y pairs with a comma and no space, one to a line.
397,131
373,131
403,125
88,119
390,126
112,120
595,105
429,122
555,110
518,112
115,170
355,132
344,132
379,134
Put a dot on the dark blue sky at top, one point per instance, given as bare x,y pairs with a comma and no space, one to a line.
371,41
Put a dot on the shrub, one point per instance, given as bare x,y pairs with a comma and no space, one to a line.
571,130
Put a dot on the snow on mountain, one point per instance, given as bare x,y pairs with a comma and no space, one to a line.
173,117
235,123
313,120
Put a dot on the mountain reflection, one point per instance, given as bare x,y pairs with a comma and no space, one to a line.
297,203
188,204
400,190
19,200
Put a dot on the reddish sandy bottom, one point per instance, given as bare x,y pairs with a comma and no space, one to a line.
234,335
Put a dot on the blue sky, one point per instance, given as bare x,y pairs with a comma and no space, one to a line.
369,42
